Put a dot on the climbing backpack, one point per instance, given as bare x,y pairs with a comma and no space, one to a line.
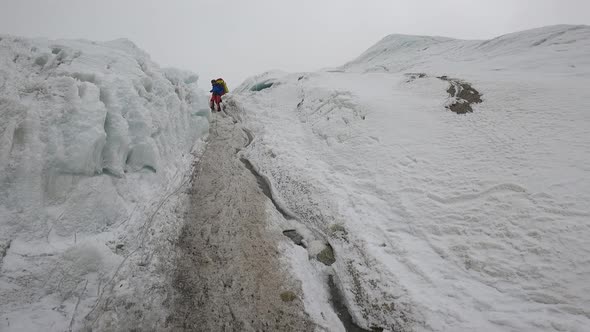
221,82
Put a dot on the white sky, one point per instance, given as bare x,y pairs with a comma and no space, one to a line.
234,39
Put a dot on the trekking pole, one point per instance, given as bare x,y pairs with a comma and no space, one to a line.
215,126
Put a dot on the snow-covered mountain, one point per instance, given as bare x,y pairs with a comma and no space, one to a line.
391,211
438,221
94,137
557,49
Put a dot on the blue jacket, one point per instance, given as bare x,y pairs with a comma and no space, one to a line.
217,89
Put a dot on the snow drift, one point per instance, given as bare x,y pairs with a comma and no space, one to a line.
439,221
92,137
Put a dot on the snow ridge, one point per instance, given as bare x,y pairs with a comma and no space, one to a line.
554,48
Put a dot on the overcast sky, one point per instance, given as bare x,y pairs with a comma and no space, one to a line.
234,39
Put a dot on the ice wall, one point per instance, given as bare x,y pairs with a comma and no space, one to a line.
92,135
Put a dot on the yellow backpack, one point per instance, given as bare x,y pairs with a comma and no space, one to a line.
222,82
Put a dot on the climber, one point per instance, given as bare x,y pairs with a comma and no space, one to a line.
219,88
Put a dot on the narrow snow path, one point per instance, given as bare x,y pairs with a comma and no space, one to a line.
229,276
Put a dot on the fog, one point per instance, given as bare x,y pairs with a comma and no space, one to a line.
235,39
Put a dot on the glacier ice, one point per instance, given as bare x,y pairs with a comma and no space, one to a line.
92,135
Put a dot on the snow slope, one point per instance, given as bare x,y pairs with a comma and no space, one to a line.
439,221
560,49
94,140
